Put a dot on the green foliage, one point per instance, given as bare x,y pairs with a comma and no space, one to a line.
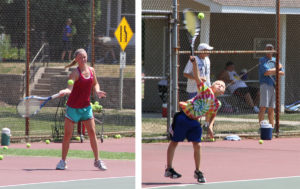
49,17
8,52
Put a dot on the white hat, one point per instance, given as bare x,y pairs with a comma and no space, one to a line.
204,46
269,45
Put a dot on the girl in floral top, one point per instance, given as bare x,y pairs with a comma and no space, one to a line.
186,122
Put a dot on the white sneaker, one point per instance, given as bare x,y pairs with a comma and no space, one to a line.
100,164
255,109
62,165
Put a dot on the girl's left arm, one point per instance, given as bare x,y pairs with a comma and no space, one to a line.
96,85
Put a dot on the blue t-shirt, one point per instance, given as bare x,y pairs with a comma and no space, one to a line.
266,64
67,29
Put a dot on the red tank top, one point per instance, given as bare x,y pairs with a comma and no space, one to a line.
80,95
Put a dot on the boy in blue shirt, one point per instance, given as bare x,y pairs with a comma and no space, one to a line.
267,72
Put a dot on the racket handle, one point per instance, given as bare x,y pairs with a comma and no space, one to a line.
193,59
55,95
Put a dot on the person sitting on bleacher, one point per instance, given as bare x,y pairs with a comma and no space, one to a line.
238,87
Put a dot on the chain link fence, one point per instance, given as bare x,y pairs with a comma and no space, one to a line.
237,30
42,36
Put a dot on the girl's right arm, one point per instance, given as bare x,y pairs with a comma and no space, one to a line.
67,91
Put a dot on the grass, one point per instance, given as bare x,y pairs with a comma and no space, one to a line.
71,153
42,123
284,117
102,70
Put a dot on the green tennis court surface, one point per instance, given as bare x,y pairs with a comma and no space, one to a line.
269,183
114,182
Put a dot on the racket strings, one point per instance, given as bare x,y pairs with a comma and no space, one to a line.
29,107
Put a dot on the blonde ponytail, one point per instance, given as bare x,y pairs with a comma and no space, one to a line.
71,64
74,61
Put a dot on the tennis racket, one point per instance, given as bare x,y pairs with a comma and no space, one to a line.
192,25
31,105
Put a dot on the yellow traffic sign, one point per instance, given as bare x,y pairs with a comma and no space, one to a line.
123,33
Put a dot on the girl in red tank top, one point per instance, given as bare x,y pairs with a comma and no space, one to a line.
78,106
77,98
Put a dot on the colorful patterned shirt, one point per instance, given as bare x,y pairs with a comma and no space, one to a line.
204,103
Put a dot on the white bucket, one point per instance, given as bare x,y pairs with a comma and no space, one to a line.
265,124
6,131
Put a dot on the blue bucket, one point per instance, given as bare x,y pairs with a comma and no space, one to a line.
266,131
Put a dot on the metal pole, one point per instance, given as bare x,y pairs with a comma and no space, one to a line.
169,116
175,57
27,41
277,110
93,32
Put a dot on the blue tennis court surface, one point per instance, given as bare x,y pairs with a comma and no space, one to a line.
111,183
268,183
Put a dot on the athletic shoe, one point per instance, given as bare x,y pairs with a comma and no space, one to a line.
199,176
170,172
100,164
62,165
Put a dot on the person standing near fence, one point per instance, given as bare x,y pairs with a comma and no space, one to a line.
267,85
204,69
186,123
79,108
67,40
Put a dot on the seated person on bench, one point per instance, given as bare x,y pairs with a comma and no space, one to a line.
238,87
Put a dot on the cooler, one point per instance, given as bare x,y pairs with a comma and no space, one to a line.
266,130
5,137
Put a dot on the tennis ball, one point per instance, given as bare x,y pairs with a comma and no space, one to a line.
28,145
105,136
117,136
212,140
200,15
261,141
1,157
70,82
47,141
77,138
5,148
96,103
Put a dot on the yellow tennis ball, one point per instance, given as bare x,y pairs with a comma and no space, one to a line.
200,15
1,157
28,145
70,82
5,148
261,141
47,141
77,138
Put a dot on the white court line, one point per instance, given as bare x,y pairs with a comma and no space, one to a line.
222,182
65,181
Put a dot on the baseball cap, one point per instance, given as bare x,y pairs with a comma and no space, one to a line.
204,46
269,45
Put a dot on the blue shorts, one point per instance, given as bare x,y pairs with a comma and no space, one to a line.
79,114
184,127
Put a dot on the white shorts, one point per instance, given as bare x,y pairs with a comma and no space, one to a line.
267,96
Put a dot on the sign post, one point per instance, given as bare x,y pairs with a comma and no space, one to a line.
123,34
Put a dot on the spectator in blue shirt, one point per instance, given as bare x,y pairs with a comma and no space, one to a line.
267,72
67,40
